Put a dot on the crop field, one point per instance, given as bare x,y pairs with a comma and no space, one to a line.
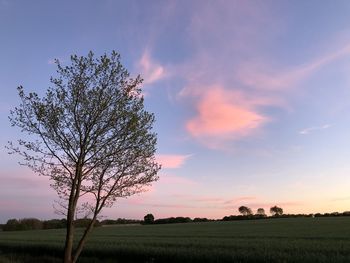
271,240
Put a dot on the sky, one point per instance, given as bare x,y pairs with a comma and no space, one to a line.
251,99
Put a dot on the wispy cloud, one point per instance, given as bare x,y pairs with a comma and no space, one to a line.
177,206
151,71
314,128
241,199
261,75
172,161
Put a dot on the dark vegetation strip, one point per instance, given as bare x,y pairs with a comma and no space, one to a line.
240,253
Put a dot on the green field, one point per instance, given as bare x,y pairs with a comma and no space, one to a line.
271,240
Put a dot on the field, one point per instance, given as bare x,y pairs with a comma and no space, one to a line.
271,240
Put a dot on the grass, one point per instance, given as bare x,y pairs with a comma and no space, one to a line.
273,240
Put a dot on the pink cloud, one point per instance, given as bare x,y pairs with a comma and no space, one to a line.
172,161
150,70
241,199
23,182
209,199
224,115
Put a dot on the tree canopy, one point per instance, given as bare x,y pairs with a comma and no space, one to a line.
245,210
260,211
276,211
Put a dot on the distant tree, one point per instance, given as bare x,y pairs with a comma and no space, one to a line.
148,219
31,223
91,135
12,225
246,211
55,224
261,212
276,211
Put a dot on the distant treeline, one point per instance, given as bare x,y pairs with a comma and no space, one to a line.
149,218
256,216
35,224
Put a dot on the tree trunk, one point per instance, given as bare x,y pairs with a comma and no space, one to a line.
68,247
72,204
83,240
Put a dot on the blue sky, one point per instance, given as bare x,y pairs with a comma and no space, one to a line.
251,99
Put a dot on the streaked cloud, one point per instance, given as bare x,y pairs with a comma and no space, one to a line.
177,206
261,75
314,128
172,161
241,199
341,199
151,71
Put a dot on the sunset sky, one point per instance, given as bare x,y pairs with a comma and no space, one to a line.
251,98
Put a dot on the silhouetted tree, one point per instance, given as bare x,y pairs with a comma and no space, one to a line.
246,211
261,212
55,223
31,223
12,225
148,219
276,211
91,135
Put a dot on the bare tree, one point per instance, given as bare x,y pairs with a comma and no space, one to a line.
91,135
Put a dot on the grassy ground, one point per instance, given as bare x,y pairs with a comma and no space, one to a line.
272,240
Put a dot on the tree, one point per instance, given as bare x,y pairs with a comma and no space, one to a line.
148,219
276,211
91,135
12,225
246,211
261,212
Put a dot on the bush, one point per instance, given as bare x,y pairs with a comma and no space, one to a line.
12,225
198,219
120,221
55,224
31,223
173,220
84,222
